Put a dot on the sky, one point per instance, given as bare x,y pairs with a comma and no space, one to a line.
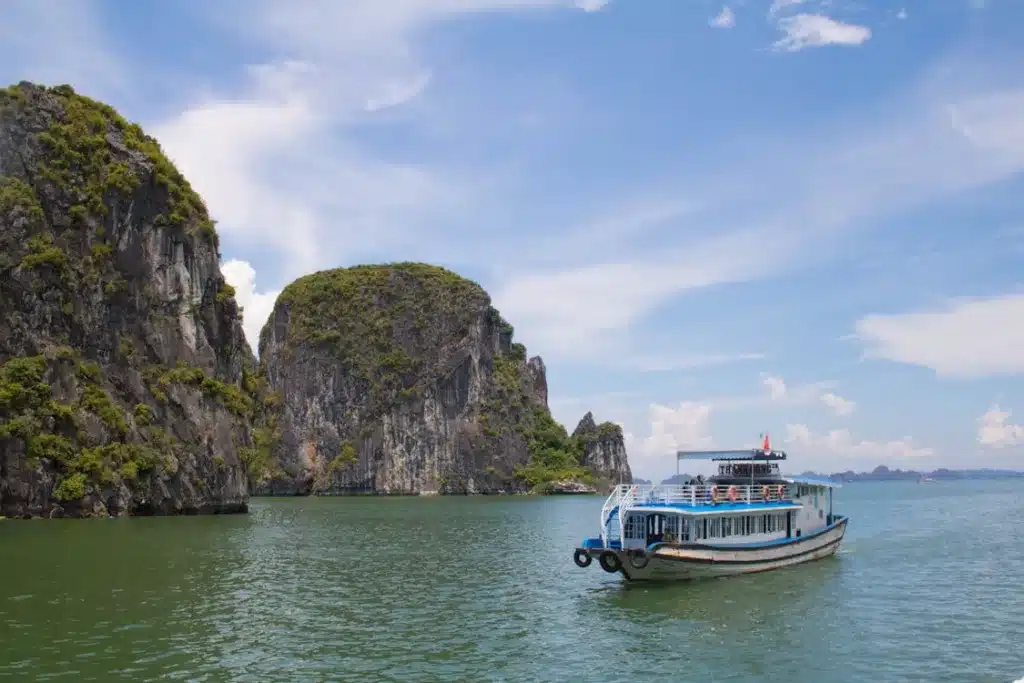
799,217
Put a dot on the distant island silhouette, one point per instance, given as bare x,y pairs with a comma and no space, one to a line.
881,473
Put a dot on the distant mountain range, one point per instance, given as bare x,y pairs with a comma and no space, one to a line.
882,473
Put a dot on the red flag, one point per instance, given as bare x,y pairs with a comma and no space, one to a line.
767,446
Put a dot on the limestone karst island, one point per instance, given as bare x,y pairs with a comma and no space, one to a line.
127,386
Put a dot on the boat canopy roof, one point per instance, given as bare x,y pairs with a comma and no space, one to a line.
745,455
813,481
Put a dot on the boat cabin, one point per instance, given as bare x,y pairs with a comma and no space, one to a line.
748,501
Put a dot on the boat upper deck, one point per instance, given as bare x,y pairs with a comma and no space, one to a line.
710,495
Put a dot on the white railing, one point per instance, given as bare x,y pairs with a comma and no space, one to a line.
621,498
626,496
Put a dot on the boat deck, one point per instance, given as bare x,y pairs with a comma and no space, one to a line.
712,509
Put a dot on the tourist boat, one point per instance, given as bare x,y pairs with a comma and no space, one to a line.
746,518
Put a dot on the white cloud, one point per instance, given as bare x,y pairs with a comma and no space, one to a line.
779,391
828,181
995,429
780,5
274,176
901,14
256,306
776,386
724,19
840,443
672,429
805,394
281,164
591,5
837,404
982,120
582,313
397,93
817,30
969,338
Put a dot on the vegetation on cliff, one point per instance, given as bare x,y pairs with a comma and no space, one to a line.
380,320
104,338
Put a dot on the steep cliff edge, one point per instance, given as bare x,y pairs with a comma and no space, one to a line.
603,451
126,384
403,379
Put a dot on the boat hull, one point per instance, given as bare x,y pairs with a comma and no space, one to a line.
693,561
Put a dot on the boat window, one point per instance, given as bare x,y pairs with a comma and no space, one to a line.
671,529
715,530
635,527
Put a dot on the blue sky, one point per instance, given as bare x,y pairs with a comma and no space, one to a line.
711,220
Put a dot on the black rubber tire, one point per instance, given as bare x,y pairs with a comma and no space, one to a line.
609,562
582,558
639,553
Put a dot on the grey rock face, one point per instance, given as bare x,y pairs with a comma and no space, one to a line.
451,417
604,451
123,366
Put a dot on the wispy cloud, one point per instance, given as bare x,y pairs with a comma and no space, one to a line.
846,451
781,5
966,338
817,30
675,363
779,391
809,190
724,19
837,404
582,313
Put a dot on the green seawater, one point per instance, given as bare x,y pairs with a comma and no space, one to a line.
929,586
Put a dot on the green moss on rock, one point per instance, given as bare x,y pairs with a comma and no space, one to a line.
80,159
228,395
50,429
382,320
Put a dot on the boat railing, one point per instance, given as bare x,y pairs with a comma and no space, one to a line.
625,496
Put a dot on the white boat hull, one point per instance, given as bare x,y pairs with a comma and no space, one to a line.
693,561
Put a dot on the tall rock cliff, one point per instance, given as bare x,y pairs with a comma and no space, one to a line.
604,451
403,379
125,379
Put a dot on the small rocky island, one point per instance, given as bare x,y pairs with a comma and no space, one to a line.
127,386
404,379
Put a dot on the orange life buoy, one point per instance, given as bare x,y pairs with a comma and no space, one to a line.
714,493
782,492
733,494
765,492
